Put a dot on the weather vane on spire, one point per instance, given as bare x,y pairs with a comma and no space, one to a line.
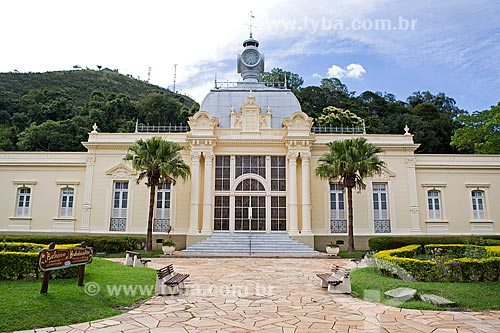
250,25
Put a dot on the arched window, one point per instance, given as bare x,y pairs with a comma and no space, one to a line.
252,185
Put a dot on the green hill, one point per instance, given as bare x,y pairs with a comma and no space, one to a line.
81,83
54,111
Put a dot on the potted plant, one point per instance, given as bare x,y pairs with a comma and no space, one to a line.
168,245
332,249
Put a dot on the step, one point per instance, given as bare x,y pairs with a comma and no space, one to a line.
226,243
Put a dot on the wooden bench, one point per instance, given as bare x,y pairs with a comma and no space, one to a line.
134,259
168,282
337,282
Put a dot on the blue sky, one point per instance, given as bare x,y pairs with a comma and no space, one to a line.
397,47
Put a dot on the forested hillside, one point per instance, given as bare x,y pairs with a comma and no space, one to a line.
54,111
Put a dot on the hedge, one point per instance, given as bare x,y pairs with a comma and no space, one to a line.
457,250
19,265
109,244
30,247
392,242
395,262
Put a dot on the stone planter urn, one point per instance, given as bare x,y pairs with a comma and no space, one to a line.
168,247
332,250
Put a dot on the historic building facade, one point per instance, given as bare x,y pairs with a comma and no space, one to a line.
252,154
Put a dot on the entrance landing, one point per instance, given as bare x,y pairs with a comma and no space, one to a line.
250,243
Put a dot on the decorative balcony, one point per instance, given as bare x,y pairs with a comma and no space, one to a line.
118,224
382,226
338,226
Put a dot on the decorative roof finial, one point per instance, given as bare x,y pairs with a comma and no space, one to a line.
407,130
250,25
94,128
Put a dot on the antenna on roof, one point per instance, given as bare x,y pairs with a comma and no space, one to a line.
175,74
149,74
286,85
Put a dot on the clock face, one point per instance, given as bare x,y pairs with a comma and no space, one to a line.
250,57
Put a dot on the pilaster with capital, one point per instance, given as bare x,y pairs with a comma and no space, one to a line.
306,192
412,188
195,192
207,193
292,171
87,193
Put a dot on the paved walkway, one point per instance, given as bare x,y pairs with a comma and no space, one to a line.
273,295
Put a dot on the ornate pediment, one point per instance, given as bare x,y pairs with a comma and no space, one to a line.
385,174
202,120
121,170
298,123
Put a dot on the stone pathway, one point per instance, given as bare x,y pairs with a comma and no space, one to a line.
273,295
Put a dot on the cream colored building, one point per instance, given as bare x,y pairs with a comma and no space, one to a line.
252,154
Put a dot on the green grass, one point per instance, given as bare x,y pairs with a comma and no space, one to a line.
469,296
23,307
355,254
143,253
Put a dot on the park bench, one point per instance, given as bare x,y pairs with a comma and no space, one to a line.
168,282
134,259
338,282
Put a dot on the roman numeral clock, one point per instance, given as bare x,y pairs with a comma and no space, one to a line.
251,61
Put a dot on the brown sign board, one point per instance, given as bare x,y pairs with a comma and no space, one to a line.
52,259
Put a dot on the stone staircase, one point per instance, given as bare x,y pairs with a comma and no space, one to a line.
250,243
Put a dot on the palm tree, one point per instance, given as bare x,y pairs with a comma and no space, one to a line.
349,162
160,162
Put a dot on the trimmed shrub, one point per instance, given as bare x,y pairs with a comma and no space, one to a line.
392,242
493,251
18,265
456,250
450,262
396,263
109,244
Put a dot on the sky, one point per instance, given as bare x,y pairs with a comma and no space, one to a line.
398,47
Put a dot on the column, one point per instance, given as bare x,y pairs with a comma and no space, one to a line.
195,192
292,194
306,193
207,193
412,188
87,194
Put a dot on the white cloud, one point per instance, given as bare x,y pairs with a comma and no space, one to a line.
317,75
353,71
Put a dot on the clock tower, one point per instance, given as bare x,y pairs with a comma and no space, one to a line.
250,61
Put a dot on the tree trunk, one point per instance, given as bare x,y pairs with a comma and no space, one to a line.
350,229
149,234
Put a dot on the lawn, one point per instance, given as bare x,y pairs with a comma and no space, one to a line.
468,296
22,306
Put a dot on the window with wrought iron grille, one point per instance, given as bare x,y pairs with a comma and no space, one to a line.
120,204
162,211
67,202
338,223
380,208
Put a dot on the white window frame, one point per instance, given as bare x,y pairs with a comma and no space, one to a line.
485,198
434,205
67,212
122,211
389,204
18,185
163,213
441,188
24,211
